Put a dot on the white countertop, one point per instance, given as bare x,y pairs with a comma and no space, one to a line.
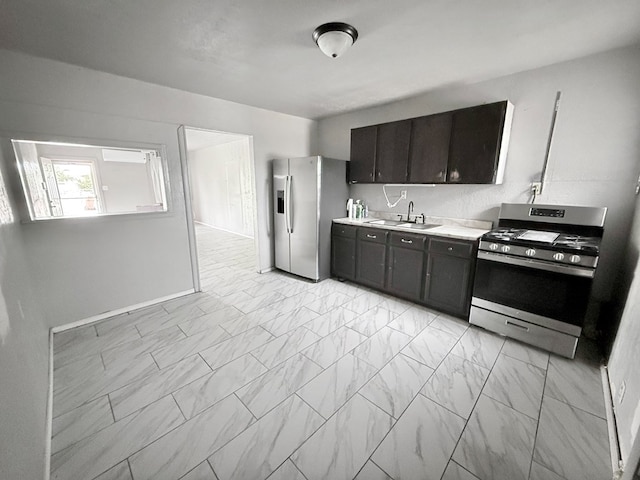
452,231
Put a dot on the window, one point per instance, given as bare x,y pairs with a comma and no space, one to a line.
63,180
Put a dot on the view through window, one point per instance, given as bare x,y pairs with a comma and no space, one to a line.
72,180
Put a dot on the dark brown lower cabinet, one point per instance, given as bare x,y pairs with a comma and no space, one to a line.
371,257
448,276
405,265
433,271
343,251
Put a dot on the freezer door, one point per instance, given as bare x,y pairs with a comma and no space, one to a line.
303,216
280,218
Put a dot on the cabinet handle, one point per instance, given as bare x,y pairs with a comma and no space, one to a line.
371,236
509,324
406,241
450,249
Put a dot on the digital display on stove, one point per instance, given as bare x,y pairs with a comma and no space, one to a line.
546,212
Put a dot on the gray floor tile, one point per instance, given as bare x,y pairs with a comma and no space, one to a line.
420,443
149,389
285,346
456,472
323,325
261,448
235,347
371,321
328,302
119,472
447,323
412,321
210,320
526,353
371,471
456,385
267,391
188,346
287,471
577,383
340,448
201,472
517,384
280,323
126,352
538,472
497,442
210,389
430,346
572,442
331,389
167,458
334,346
381,347
479,346
111,445
363,302
80,422
397,384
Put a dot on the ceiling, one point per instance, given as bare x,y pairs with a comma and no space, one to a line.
261,53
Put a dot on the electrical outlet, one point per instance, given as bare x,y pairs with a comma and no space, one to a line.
403,194
536,188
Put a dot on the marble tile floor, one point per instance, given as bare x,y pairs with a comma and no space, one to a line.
270,376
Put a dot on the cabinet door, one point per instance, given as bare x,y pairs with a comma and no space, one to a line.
363,154
392,152
429,152
476,135
343,257
405,272
447,283
371,263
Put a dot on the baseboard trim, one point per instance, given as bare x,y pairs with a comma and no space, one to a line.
119,311
614,445
223,229
49,413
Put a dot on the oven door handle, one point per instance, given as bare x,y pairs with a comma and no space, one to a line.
537,264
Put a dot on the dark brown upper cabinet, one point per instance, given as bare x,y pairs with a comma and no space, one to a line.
363,155
392,151
429,151
476,137
462,146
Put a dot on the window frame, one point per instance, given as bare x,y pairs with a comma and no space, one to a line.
26,212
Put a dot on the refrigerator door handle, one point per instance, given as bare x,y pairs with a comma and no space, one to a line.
289,216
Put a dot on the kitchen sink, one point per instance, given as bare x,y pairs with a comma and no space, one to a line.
386,222
418,226
396,223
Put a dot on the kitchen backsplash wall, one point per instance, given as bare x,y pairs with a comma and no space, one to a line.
594,154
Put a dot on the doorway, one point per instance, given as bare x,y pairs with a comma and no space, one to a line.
221,204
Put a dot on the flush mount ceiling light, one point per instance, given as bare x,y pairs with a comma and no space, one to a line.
335,38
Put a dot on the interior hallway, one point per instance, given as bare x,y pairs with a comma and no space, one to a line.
271,376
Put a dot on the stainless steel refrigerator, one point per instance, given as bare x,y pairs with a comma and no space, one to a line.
308,193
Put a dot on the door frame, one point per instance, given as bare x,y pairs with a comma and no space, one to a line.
188,199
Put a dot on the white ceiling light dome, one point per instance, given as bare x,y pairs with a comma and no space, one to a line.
335,38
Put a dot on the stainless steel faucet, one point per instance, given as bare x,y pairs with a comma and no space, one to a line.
409,210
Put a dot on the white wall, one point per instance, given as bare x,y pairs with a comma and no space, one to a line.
83,268
594,157
221,184
24,358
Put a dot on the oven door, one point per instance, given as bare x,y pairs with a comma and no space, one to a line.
533,290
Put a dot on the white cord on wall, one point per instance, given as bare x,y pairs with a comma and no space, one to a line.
403,196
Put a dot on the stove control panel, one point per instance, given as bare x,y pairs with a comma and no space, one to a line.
547,212
539,254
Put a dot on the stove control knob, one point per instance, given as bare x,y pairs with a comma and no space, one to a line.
530,252
493,246
575,259
558,256
506,248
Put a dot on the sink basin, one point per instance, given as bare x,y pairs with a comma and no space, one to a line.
385,222
418,226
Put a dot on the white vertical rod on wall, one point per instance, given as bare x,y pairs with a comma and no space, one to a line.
556,107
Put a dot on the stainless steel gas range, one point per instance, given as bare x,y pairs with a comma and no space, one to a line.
534,274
